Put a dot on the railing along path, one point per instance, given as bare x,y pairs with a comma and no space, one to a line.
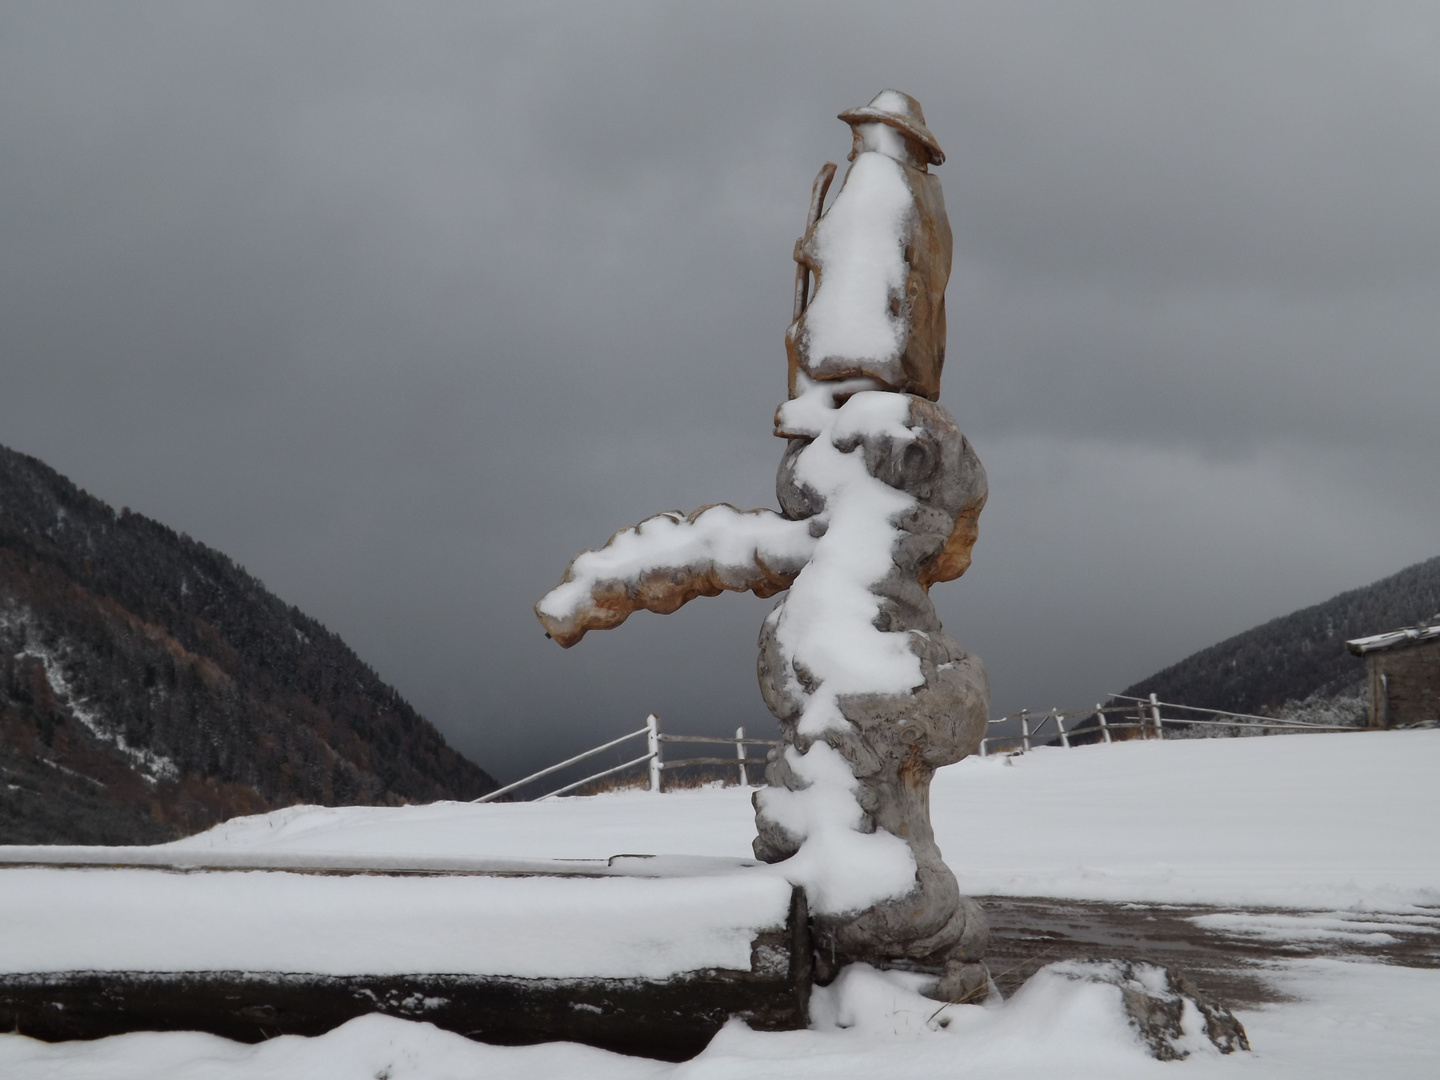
654,756
1141,714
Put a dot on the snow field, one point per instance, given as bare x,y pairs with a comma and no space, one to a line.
1346,821
1317,820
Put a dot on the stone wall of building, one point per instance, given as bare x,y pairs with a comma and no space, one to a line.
1404,684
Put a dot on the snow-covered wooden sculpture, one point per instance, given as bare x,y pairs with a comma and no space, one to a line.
879,495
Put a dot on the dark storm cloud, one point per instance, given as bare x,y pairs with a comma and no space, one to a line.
403,305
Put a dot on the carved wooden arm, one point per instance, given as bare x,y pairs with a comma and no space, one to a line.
668,560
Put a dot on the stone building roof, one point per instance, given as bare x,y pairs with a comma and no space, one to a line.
1407,636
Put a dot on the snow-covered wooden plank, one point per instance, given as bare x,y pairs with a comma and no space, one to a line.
611,959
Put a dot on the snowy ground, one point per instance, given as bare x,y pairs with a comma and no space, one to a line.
1299,820
1345,825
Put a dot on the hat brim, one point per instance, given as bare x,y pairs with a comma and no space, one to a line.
919,132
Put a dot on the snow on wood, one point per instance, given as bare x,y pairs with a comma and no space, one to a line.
861,243
668,560
524,926
1392,638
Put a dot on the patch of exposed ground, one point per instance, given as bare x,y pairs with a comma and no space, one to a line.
1226,950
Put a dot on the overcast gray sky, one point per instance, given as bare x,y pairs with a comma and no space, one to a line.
403,305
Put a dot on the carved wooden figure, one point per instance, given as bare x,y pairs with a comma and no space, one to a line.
880,495
885,317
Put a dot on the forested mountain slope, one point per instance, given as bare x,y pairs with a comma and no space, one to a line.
149,687
1302,655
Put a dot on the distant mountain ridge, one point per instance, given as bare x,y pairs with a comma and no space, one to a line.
1298,657
149,687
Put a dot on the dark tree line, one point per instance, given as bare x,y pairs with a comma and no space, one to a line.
206,695
1301,655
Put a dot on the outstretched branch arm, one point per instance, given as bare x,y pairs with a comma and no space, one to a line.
668,560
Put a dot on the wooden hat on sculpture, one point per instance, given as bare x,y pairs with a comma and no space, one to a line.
902,112
879,498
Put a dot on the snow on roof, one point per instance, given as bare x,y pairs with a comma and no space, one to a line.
1379,642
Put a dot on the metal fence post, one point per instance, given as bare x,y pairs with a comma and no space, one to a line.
1060,727
1025,729
652,746
1155,715
740,755
1104,727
